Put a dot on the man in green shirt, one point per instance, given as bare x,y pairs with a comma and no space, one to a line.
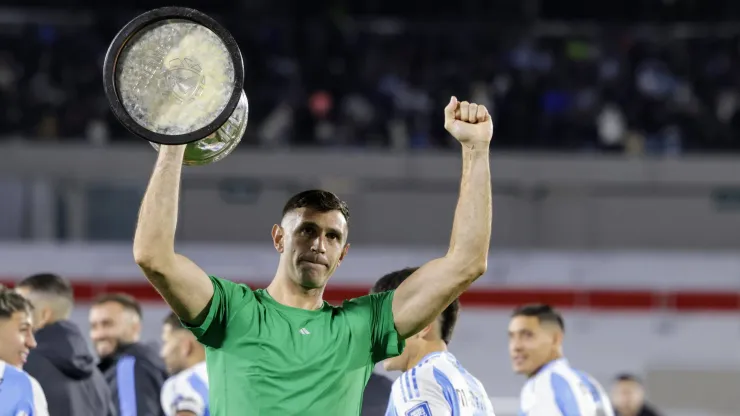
283,350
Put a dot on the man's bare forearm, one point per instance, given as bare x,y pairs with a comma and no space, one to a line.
425,294
428,291
154,239
182,284
471,228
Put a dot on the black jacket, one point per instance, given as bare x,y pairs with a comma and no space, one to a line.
646,410
135,370
377,394
66,369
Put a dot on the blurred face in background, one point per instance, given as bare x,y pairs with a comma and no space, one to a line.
112,325
531,344
16,338
176,347
628,397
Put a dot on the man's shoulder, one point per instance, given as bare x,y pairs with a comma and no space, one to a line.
425,374
366,301
8,371
230,283
16,376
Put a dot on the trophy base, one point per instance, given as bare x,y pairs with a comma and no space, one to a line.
220,143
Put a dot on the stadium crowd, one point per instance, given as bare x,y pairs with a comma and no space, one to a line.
379,84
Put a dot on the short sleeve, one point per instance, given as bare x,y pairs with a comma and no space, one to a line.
377,309
228,299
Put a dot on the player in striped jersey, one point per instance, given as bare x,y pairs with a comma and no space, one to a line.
186,392
554,388
20,394
433,383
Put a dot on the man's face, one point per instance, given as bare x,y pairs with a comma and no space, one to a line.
312,244
16,338
627,397
111,325
531,345
174,349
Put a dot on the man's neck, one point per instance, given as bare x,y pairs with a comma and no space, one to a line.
288,293
552,358
195,360
53,320
428,348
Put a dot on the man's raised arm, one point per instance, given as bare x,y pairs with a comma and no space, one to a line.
427,292
184,285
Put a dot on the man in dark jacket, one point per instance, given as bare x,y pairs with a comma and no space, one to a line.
377,394
134,371
62,363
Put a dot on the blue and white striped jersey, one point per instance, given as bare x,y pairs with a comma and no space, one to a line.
560,390
20,394
187,391
438,386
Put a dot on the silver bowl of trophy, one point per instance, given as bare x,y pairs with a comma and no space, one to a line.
174,76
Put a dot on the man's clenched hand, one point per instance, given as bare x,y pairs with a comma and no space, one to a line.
469,123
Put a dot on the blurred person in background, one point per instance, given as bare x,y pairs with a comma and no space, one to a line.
375,398
628,397
20,393
553,388
185,393
62,362
135,372
433,382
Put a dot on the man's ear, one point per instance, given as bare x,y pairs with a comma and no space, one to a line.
45,316
558,338
344,253
278,235
426,330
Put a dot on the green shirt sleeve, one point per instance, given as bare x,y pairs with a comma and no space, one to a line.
228,299
377,310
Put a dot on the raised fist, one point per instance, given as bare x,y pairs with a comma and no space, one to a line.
469,123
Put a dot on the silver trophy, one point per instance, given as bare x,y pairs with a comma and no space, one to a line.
174,76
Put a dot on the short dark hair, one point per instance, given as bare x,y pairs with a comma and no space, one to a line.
543,313
172,320
12,302
48,283
448,317
627,377
318,200
123,299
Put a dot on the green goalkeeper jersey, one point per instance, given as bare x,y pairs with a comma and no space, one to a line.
268,359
